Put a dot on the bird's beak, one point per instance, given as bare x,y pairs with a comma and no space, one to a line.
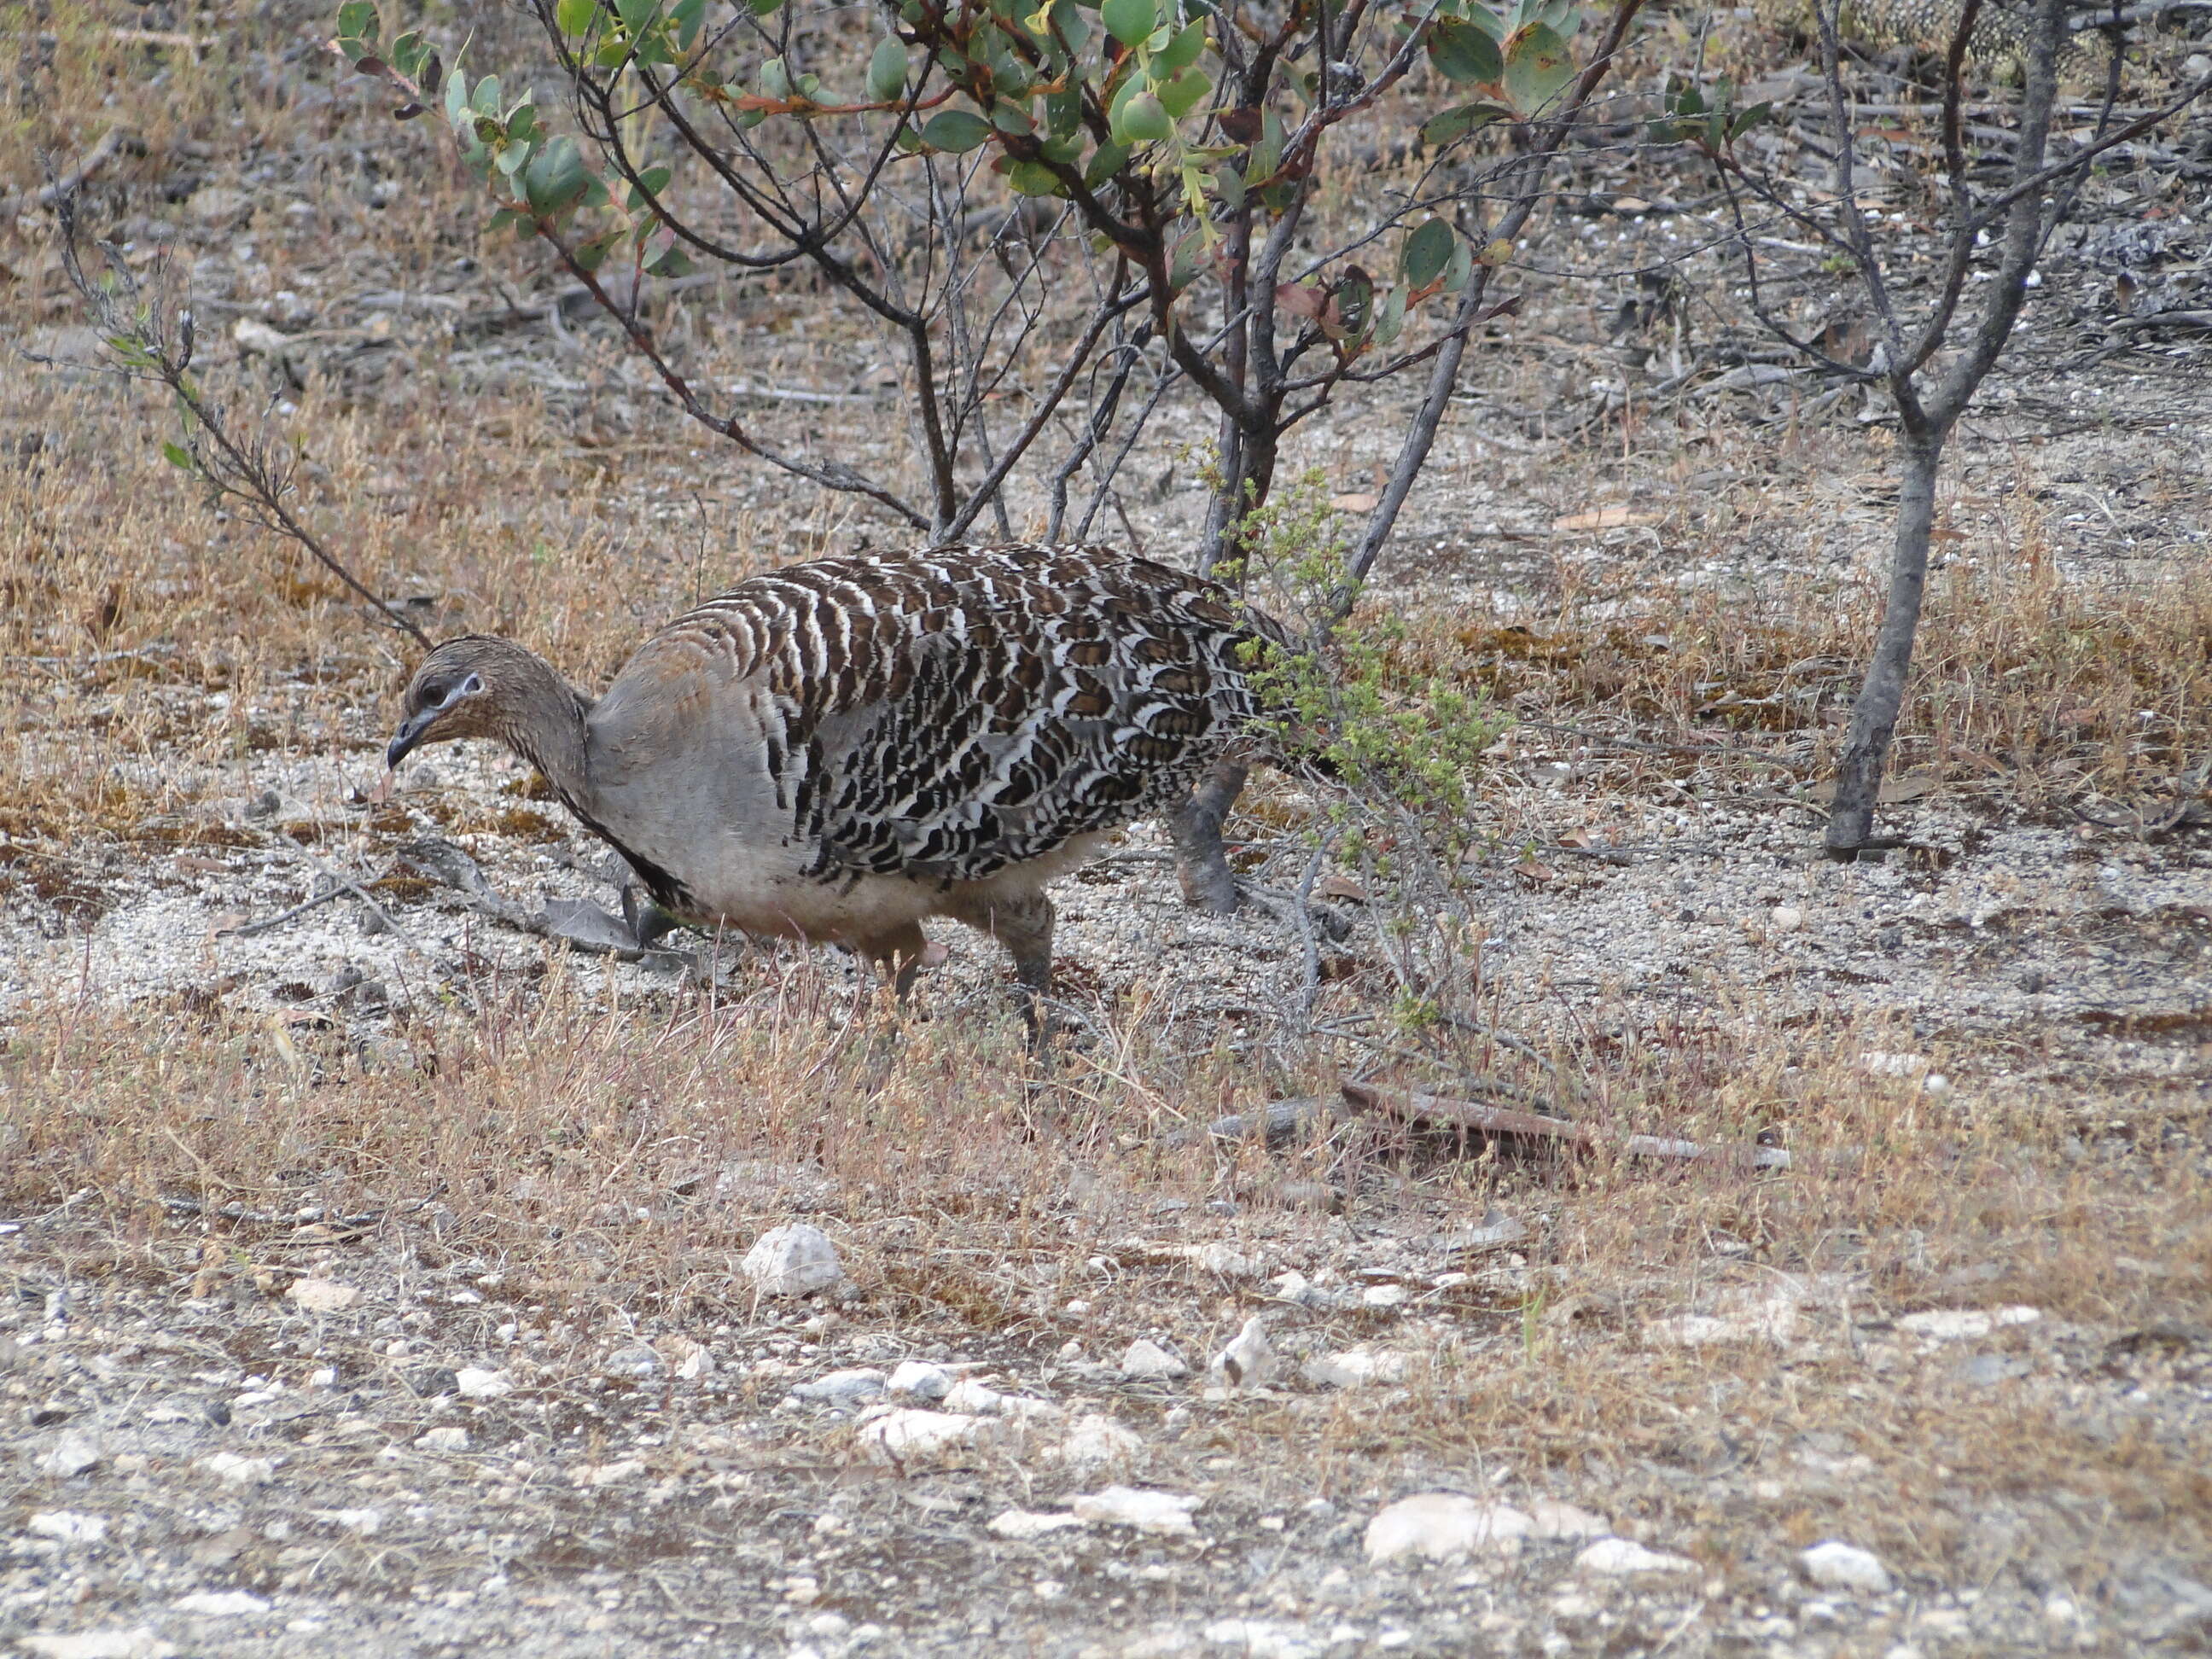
410,732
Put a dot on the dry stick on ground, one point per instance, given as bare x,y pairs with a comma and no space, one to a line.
1931,377
1503,1123
152,340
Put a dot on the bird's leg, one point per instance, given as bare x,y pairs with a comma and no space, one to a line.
1023,923
901,955
648,923
1201,863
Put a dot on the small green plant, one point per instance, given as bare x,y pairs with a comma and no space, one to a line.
1405,748
1349,706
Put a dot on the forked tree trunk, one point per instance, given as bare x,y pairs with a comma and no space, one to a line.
1881,696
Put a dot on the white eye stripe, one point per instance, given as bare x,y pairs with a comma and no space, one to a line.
466,688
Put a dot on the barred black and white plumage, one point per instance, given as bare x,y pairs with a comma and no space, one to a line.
839,749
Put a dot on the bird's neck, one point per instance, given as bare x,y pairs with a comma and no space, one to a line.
544,725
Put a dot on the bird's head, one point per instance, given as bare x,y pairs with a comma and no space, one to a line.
466,688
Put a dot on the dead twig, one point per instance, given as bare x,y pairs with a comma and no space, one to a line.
1506,1123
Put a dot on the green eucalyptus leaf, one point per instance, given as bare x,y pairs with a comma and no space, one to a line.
1538,67
513,158
1749,118
775,80
1034,178
457,97
1390,317
1428,251
955,131
485,99
1063,111
1457,123
1464,53
654,182
176,455
887,71
1181,50
556,177
686,18
1185,92
575,17
674,262
358,20
1105,162
1130,20
593,254
1462,267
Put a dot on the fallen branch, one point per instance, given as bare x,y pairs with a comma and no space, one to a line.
111,144
1505,1123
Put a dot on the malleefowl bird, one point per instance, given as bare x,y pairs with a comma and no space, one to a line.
840,750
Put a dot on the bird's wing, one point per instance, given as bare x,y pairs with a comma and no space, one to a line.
948,714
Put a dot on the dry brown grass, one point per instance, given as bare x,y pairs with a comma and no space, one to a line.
614,1160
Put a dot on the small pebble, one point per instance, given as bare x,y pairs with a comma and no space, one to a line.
1837,1565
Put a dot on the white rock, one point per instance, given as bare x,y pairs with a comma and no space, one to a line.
1250,1361
1149,1362
607,1474
140,1643
218,205
1021,1525
1785,919
449,1438
974,1398
1953,1324
1442,1526
920,1437
322,1296
637,1362
72,1454
1142,1510
67,1527
1769,1316
1384,1296
843,1388
364,1521
238,1471
1620,1556
698,1361
794,1259
1264,1638
1357,1367
1550,1518
475,1383
220,1604
256,338
1837,1565
919,1381
1216,1258
1881,1064
1096,1444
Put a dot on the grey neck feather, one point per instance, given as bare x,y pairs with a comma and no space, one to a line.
545,723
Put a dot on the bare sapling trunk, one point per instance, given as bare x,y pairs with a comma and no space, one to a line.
1881,697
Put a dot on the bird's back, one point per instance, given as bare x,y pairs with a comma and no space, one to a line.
948,714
